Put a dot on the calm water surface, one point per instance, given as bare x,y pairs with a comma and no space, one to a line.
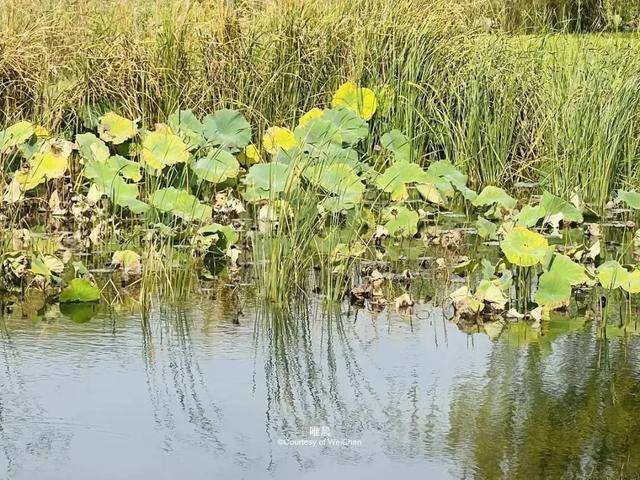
201,392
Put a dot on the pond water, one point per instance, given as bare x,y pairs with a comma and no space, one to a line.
204,391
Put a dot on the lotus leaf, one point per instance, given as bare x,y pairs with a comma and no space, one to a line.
278,138
529,216
228,129
351,127
315,112
80,290
573,272
15,135
249,156
630,198
395,179
187,126
128,260
398,143
360,100
181,204
116,129
92,148
161,148
632,285
400,221
559,207
554,290
217,166
491,195
107,178
486,229
446,177
523,247
612,275
340,180
266,180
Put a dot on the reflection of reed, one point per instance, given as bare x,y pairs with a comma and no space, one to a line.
174,377
574,414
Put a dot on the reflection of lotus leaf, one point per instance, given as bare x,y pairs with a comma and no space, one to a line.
185,124
400,221
79,312
523,247
217,166
181,204
116,129
80,290
491,195
265,180
278,138
228,129
395,179
398,143
92,148
162,148
360,100
612,275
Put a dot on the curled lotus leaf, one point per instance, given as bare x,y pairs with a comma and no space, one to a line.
108,180
161,148
217,166
340,180
400,221
116,129
128,260
227,129
181,204
278,138
50,161
530,215
492,195
209,235
91,148
524,248
556,207
447,178
187,126
357,99
486,229
249,156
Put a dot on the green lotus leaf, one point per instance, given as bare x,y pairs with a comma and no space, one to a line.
612,275
491,195
161,148
116,129
632,284
266,180
398,143
230,235
359,100
630,198
430,193
523,247
573,272
554,290
486,229
340,180
181,204
319,131
217,166
187,126
228,129
395,179
352,128
92,148
529,216
558,206
15,135
400,221
446,178
80,290
107,178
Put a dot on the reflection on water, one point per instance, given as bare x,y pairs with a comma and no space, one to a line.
222,389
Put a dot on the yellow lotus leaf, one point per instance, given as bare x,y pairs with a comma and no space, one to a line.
52,160
162,148
116,129
315,112
278,138
360,100
249,156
